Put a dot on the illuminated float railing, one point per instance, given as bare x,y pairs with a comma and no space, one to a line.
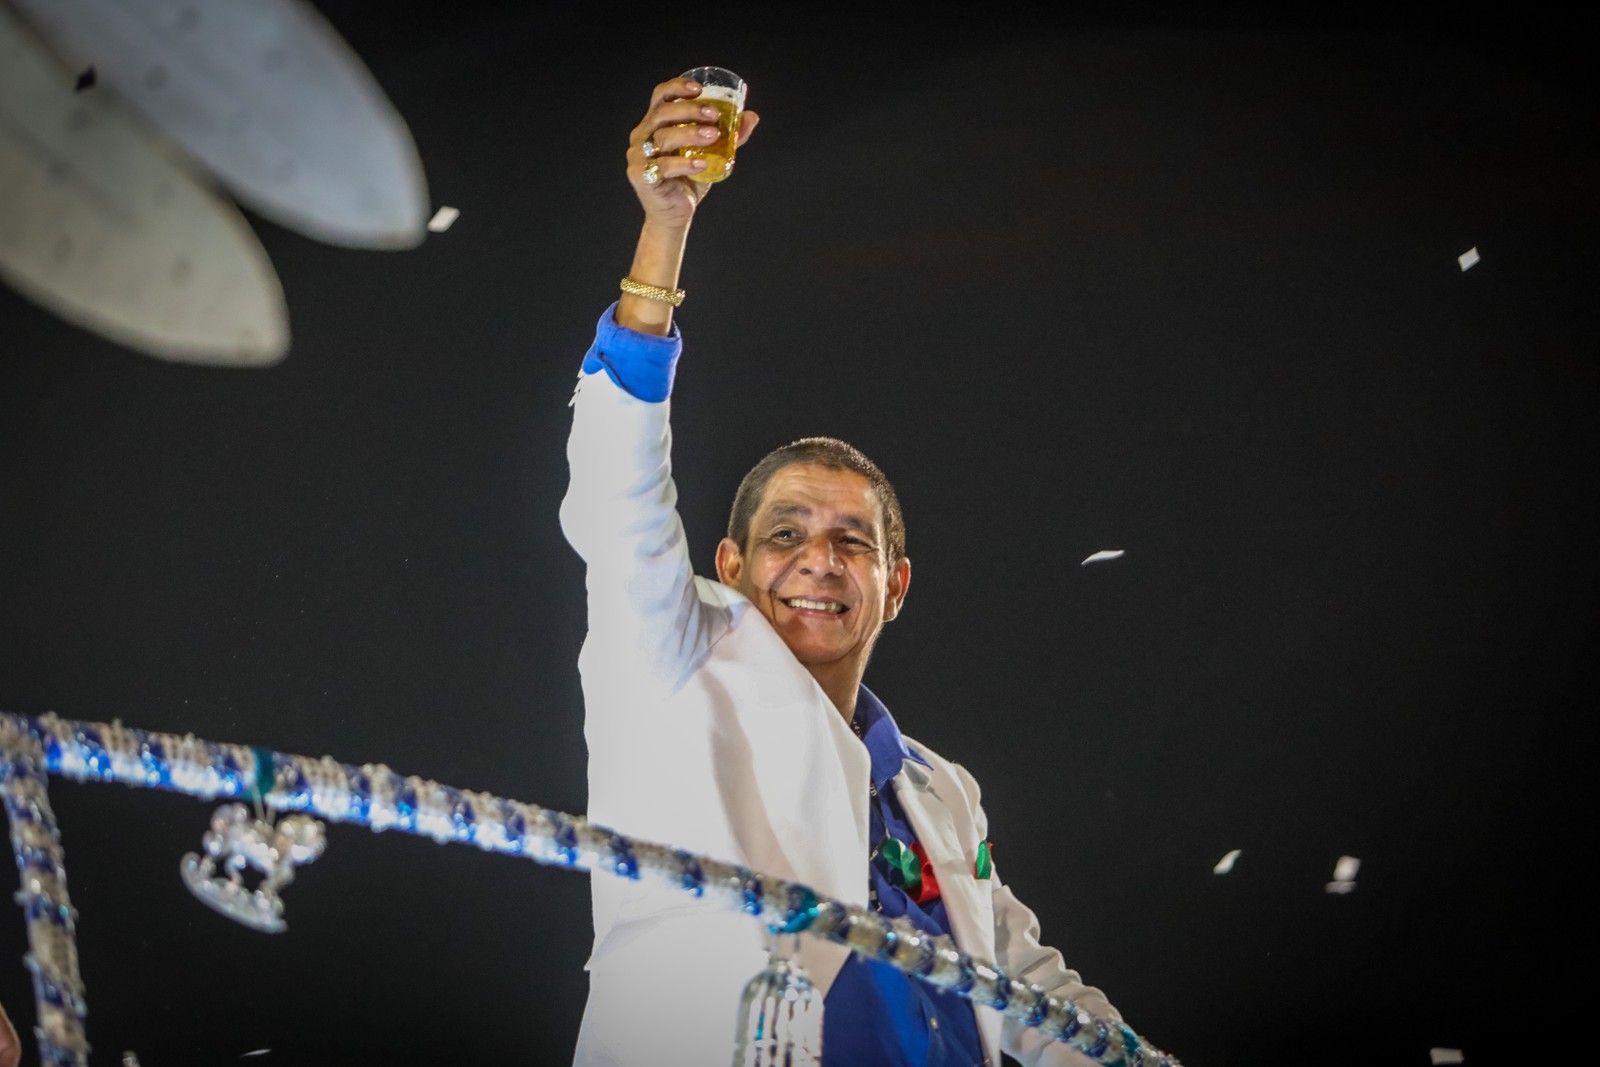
32,749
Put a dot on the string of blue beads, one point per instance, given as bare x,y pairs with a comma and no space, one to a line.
377,797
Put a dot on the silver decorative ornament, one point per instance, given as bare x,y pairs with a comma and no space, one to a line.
236,841
780,1014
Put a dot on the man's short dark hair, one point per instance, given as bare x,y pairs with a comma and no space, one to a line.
826,452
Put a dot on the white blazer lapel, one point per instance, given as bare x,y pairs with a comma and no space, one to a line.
947,831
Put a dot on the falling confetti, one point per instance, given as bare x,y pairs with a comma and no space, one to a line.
1445,1055
1469,258
1103,554
257,1052
1225,864
85,80
1344,875
443,219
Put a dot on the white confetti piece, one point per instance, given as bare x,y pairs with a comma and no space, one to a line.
1469,258
1340,888
443,219
1345,870
1102,555
256,1052
1445,1055
1225,864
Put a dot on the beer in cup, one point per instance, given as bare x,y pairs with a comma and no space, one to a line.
723,90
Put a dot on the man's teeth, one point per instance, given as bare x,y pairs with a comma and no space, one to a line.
815,605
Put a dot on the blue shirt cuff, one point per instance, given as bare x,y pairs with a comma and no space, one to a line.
641,364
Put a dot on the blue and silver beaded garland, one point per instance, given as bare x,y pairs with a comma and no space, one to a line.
52,934
377,797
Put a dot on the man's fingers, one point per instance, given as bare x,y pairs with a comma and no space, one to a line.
674,114
676,120
10,1047
675,89
668,167
747,126
674,138
684,125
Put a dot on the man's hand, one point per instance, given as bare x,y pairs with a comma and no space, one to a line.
10,1047
675,120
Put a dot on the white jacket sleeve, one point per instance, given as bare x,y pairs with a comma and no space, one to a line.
1018,952
620,513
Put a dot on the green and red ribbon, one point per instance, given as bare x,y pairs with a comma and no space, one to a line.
908,867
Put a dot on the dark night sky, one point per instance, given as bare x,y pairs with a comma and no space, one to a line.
1188,291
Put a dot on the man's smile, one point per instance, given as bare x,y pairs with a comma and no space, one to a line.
822,605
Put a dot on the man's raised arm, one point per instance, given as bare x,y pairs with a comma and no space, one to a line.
620,509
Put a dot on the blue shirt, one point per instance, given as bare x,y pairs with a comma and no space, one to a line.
874,1015
641,364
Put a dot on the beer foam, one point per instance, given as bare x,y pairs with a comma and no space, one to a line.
722,92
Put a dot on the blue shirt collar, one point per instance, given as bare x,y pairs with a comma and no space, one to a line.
886,746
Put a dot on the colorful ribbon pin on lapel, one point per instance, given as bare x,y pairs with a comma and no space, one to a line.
928,889
904,868
908,867
984,868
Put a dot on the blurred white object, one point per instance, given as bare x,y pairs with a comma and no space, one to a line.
1469,258
106,227
1104,554
255,1052
1344,876
1445,1055
268,96
443,219
1225,864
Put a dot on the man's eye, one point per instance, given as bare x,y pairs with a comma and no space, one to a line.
784,535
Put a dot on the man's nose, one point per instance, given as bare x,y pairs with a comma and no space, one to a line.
819,557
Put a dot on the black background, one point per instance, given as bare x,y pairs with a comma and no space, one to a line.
1186,288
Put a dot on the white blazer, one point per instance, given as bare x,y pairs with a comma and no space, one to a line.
705,733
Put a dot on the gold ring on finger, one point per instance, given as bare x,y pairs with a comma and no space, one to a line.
652,174
649,149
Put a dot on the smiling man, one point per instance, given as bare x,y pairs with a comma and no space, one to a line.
729,717
817,543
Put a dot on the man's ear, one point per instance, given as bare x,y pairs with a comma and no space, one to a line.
894,594
730,562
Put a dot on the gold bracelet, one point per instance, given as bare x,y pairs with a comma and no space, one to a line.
653,292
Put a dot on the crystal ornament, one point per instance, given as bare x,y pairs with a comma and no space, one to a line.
236,841
780,1014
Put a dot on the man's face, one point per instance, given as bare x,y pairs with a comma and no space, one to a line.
816,564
